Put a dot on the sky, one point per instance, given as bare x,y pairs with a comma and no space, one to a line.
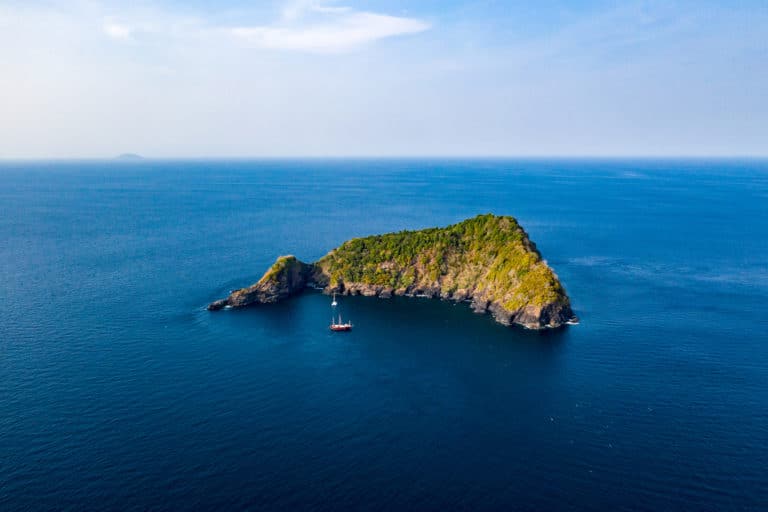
299,78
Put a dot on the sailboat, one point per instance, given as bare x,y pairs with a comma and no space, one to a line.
339,326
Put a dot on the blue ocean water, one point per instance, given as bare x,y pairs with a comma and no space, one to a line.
119,391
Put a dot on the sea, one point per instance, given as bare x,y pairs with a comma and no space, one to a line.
119,391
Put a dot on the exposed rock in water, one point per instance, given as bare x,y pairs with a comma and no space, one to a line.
286,277
487,260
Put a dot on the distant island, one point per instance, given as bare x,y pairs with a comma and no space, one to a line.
488,261
129,156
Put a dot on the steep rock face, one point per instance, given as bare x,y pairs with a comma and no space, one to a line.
286,277
488,261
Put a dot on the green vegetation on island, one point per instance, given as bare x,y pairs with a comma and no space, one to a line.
487,253
488,260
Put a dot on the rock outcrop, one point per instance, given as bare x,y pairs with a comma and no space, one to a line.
286,277
488,261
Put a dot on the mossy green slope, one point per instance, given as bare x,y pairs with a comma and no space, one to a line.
284,278
488,253
488,260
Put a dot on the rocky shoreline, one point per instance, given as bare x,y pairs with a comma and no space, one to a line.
530,317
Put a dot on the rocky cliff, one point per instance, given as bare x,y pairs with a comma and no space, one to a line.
488,261
286,277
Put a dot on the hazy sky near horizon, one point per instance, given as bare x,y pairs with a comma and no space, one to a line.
172,78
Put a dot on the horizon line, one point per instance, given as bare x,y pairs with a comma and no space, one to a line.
139,158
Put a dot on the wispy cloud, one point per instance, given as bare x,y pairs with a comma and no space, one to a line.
320,28
312,26
117,30
297,9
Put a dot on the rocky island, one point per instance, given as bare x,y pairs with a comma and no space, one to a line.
129,156
488,261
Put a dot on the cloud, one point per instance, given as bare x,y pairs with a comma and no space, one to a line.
297,9
326,29
117,30
294,10
303,25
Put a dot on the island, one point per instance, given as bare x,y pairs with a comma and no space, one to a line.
488,261
129,156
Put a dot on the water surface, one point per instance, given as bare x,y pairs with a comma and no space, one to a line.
118,390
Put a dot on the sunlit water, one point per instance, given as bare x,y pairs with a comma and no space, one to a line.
118,390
